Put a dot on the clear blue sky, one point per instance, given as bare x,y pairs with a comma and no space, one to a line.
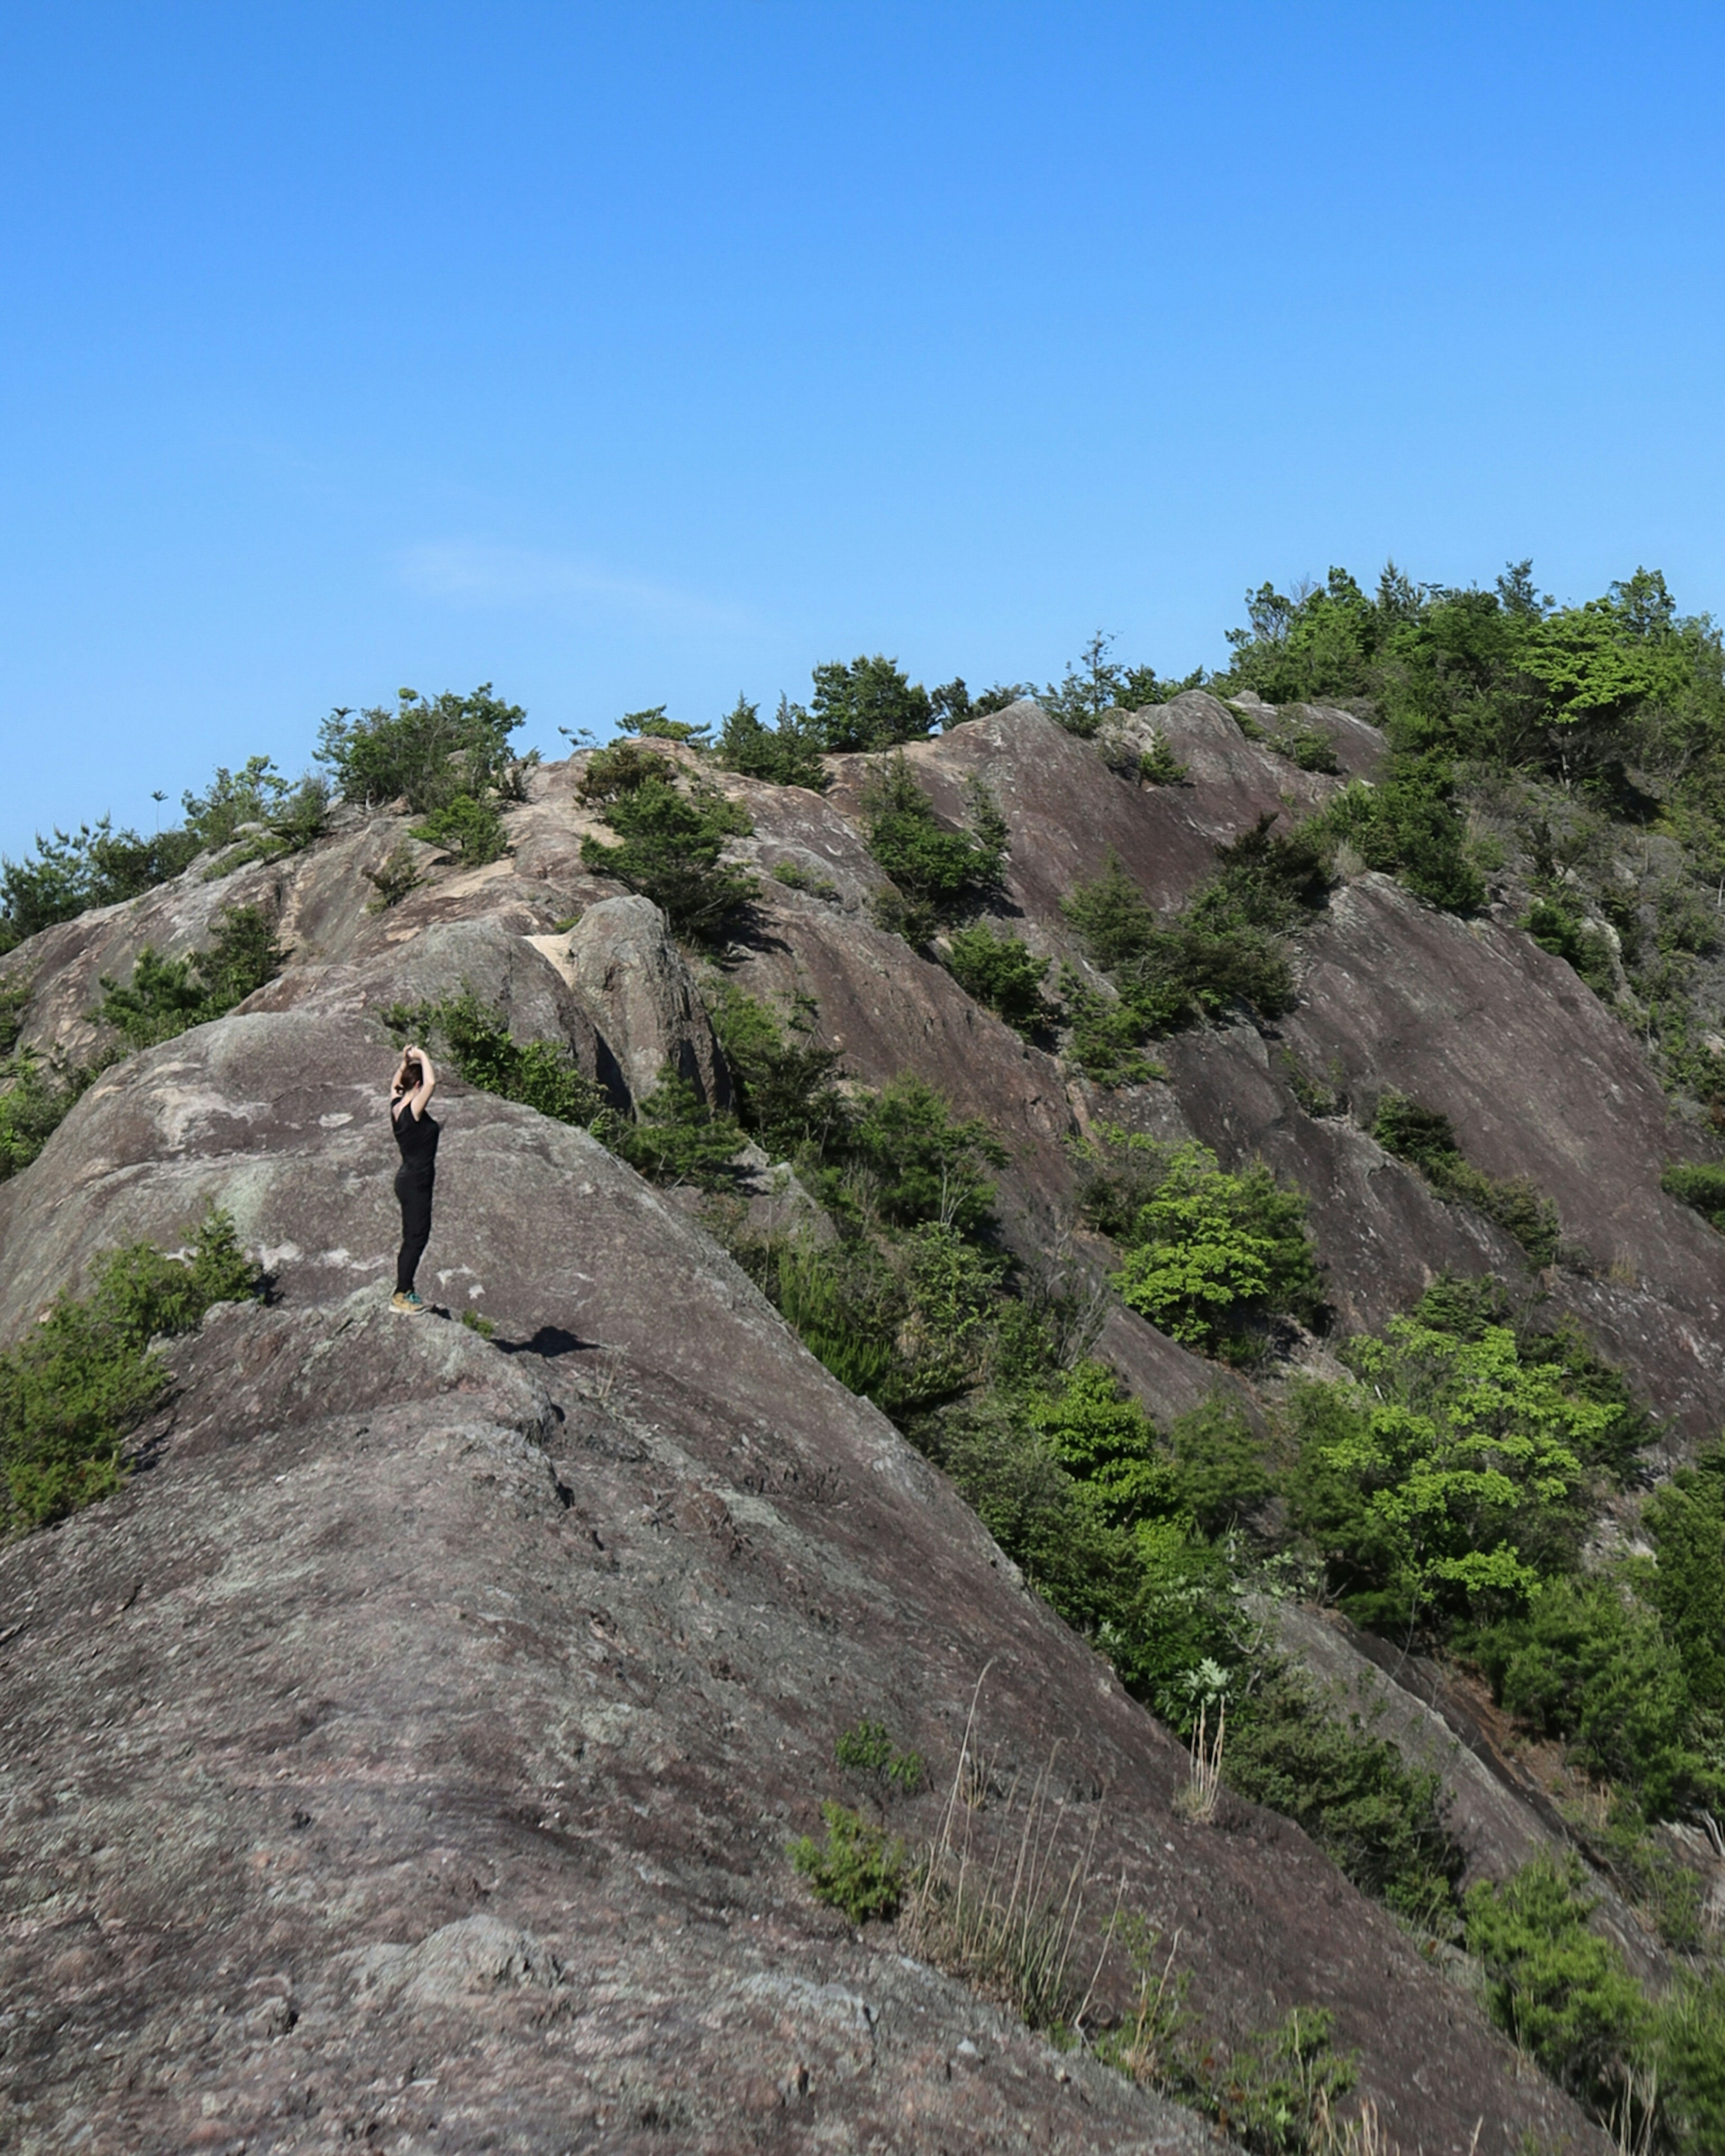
640,353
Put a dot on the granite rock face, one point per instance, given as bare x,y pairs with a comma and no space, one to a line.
408,1755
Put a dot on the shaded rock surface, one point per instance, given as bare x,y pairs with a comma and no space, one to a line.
408,1755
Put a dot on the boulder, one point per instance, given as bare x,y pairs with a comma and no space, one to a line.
620,959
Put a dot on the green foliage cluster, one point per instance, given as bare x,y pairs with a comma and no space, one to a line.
37,1094
165,996
1096,685
786,753
868,1748
1448,1486
256,814
1409,825
672,838
855,1869
73,1390
1276,2094
1592,736
1134,1538
1159,766
1209,1257
872,704
674,1137
1002,974
1699,1183
428,751
542,1075
468,825
1653,2070
69,873
1291,734
795,877
938,874
1426,1137
1225,947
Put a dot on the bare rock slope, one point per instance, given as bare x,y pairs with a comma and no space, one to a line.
409,1754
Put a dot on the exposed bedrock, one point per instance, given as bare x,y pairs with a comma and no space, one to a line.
409,1754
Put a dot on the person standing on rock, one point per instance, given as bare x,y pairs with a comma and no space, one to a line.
416,1135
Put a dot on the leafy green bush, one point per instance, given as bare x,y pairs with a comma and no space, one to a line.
675,1137
1590,1664
941,873
921,1162
1003,975
1225,947
1684,1521
870,703
542,1075
1561,1991
1426,1137
1105,1035
1221,1474
1555,925
1159,766
467,826
868,1748
1699,1183
426,752
796,878
785,1085
35,1098
1450,1483
786,753
165,996
70,872
856,1869
1211,1255
292,814
1407,825
75,1386
1380,1820
671,840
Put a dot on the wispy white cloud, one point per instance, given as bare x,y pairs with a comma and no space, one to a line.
465,573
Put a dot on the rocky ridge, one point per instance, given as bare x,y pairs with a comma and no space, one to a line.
410,1750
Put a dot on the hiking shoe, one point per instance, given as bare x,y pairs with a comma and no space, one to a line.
409,1302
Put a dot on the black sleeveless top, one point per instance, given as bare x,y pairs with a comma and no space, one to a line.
417,1135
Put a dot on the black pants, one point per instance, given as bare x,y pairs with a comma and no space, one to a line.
412,1187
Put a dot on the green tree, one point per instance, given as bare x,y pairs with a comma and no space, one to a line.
870,703
426,750
1450,1482
1003,975
672,839
1559,1989
786,753
1212,1253
938,872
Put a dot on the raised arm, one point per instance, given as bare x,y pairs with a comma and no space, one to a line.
428,1082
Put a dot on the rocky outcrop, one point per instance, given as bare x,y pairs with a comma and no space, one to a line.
619,958
411,1751
409,1754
